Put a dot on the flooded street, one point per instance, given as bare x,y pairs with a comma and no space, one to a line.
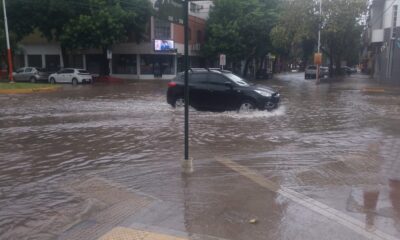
324,165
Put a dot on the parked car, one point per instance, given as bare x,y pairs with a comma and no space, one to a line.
311,72
349,70
31,74
220,90
71,75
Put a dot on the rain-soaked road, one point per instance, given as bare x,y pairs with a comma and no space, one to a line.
83,160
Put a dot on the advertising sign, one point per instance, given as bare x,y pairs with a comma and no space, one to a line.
164,45
318,59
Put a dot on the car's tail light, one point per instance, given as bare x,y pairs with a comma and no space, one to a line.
171,84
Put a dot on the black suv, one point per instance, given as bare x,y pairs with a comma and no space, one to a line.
220,90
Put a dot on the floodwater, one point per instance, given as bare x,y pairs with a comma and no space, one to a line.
333,143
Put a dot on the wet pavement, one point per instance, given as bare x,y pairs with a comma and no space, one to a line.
76,163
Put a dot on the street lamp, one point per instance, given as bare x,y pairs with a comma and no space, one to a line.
10,66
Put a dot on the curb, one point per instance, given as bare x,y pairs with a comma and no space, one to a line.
29,90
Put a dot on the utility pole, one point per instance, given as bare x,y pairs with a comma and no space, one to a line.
10,65
319,40
187,164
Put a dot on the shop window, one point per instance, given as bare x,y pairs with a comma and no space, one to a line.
75,61
124,64
52,62
19,61
165,63
35,61
93,63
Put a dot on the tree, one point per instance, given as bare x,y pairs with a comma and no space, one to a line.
342,30
18,23
105,24
295,34
240,29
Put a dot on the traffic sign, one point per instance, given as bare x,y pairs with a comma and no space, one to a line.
222,59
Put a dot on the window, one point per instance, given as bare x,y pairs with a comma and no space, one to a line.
162,29
20,70
28,70
124,64
199,36
35,61
75,61
217,79
164,62
198,78
395,12
69,71
52,62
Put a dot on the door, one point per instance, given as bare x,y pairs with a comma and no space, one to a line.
19,74
69,75
220,91
27,74
60,77
199,94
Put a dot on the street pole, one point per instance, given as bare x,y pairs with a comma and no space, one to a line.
10,65
187,164
186,65
319,39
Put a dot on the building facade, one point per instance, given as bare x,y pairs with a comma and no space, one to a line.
383,40
129,60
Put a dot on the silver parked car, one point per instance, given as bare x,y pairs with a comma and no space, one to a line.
311,72
31,74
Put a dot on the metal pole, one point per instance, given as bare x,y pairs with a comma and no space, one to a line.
186,66
319,38
10,65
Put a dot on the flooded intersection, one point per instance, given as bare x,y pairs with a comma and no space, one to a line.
79,162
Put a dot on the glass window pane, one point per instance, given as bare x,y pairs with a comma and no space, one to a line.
162,29
124,64
52,62
35,61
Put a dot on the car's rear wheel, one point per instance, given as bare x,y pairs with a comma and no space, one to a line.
247,106
52,80
74,81
32,79
179,102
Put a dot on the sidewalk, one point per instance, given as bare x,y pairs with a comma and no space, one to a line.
257,207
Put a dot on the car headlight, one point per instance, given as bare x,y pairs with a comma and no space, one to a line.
264,94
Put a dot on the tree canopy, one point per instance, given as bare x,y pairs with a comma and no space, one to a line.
79,24
240,29
295,35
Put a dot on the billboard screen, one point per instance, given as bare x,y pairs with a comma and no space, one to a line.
164,45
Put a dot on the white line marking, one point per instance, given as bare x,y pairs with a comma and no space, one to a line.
318,207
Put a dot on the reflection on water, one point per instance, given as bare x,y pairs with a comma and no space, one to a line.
129,134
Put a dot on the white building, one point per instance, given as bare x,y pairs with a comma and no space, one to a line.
384,40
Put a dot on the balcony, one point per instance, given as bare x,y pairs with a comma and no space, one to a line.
377,36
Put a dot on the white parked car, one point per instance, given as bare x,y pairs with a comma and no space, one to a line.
71,75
